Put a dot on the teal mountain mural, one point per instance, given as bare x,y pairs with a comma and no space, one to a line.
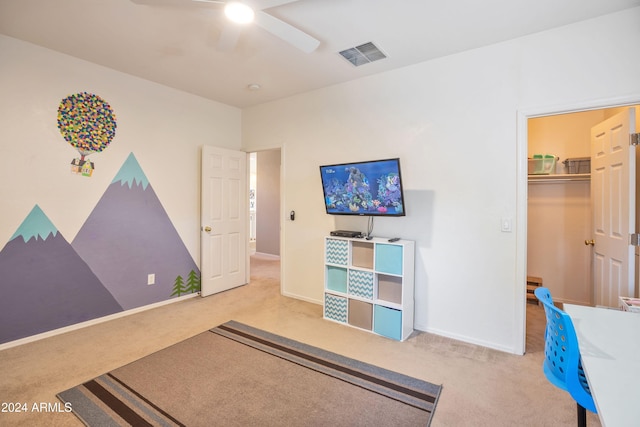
36,225
131,174
48,283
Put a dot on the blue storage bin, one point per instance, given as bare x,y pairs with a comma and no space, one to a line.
337,279
389,259
388,322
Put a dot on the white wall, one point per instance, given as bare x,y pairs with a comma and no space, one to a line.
268,194
453,122
164,128
559,223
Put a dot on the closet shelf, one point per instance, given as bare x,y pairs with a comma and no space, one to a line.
545,179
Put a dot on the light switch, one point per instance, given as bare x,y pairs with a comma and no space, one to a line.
505,226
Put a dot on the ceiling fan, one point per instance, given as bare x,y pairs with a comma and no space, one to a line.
256,10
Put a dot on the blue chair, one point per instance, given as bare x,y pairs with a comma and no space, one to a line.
562,365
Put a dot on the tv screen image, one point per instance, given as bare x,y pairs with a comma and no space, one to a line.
371,188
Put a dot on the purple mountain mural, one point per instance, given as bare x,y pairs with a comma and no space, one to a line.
45,285
129,236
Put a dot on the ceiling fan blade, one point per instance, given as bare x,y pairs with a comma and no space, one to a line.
210,1
266,4
286,32
179,3
159,2
229,38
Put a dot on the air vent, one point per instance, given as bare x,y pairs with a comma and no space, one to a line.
363,54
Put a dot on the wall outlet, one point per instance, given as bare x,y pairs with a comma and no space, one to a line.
151,279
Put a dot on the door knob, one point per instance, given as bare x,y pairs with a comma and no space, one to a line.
590,242
207,229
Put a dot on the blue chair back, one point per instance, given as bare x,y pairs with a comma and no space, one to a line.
562,365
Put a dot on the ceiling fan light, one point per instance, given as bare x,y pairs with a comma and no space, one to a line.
238,12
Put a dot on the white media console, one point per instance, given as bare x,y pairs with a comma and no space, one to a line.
368,284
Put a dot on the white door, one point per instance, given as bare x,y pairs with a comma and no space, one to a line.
613,198
224,219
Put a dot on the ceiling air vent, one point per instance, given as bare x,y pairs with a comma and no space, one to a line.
363,54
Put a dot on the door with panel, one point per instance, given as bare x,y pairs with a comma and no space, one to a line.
613,172
224,220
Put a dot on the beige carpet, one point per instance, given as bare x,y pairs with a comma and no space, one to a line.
236,375
483,387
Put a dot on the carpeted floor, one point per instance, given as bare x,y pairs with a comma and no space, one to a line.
236,375
483,387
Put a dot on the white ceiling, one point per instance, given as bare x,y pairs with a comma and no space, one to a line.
174,42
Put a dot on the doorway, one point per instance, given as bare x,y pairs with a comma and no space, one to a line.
559,207
525,118
264,203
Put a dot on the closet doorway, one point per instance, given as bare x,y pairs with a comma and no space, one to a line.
559,219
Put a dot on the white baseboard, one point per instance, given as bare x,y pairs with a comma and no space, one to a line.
302,298
266,255
467,339
91,322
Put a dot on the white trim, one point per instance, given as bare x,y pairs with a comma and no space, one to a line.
303,298
523,115
92,322
283,218
266,255
464,338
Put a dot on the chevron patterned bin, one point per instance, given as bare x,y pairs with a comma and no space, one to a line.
335,308
337,252
361,283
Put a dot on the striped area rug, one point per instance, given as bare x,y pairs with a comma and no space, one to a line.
237,375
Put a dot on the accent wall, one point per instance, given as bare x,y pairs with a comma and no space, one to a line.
77,247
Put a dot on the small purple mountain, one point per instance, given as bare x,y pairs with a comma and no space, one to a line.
128,236
45,285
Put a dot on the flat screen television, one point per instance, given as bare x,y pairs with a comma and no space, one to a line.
372,188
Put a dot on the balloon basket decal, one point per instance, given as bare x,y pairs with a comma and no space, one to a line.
88,124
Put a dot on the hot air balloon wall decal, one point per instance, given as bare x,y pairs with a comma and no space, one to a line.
88,123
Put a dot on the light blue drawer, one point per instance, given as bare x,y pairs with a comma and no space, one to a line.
387,322
337,279
389,259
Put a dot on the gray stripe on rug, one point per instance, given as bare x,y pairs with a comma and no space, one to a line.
86,409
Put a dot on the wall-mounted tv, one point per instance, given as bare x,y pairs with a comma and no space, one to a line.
371,188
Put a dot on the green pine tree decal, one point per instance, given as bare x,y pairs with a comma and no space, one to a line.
193,282
178,287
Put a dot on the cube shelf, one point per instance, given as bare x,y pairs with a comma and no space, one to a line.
369,284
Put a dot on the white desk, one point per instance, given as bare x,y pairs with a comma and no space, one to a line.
609,342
